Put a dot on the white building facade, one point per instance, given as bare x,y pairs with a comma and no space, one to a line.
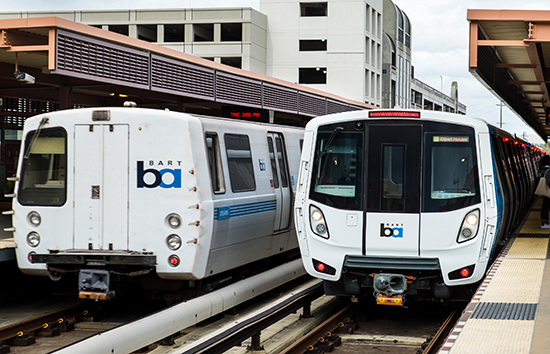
357,49
334,46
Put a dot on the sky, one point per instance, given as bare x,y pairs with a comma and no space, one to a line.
440,35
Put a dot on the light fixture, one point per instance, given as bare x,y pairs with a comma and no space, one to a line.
22,76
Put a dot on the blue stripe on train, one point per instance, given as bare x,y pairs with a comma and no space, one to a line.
244,209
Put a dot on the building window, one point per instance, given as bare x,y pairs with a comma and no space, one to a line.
239,159
399,25
313,75
147,32
203,32
231,32
313,9
120,29
174,33
235,62
407,31
311,45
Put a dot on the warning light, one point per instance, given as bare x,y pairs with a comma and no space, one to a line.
399,114
462,273
505,139
174,260
389,300
321,267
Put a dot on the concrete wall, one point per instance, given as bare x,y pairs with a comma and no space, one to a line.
346,57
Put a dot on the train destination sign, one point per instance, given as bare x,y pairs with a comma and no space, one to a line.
451,139
246,113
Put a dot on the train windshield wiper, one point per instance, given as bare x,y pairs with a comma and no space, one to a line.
329,143
35,136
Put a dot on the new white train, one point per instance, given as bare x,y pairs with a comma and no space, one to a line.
408,203
113,194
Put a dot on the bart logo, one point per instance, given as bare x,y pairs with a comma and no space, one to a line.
158,182
393,231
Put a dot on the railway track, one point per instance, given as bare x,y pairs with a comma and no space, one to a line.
336,326
369,329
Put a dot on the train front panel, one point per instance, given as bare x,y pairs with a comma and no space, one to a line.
398,203
113,189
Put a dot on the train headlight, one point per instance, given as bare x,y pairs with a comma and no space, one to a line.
470,227
173,242
34,218
317,222
33,239
173,220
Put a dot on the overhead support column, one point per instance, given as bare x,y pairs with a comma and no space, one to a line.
65,97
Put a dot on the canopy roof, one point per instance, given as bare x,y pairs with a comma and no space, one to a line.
510,55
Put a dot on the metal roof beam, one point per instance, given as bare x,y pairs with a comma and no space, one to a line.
515,66
535,56
501,43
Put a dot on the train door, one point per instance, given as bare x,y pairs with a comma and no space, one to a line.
393,189
278,160
101,187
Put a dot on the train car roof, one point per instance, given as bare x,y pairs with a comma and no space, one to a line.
406,114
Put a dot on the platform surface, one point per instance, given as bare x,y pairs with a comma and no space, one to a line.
510,312
7,245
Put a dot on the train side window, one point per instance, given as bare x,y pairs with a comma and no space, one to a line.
273,163
239,159
215,163
282,161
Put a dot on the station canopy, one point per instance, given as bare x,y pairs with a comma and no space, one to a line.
79,65
510,55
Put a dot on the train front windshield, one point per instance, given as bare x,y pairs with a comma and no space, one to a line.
43,173
429,167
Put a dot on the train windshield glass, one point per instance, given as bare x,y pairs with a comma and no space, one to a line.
43,174
336,180
451,172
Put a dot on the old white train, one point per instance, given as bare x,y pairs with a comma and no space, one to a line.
408,203
113,194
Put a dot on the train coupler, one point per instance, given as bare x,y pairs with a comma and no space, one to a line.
94,284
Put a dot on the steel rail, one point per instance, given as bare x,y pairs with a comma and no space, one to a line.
36,323
439,337
151,329
236,332
308,341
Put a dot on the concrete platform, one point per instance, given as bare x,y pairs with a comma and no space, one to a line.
7,245
510,312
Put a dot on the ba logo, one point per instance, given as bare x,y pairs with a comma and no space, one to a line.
386,231
158,177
